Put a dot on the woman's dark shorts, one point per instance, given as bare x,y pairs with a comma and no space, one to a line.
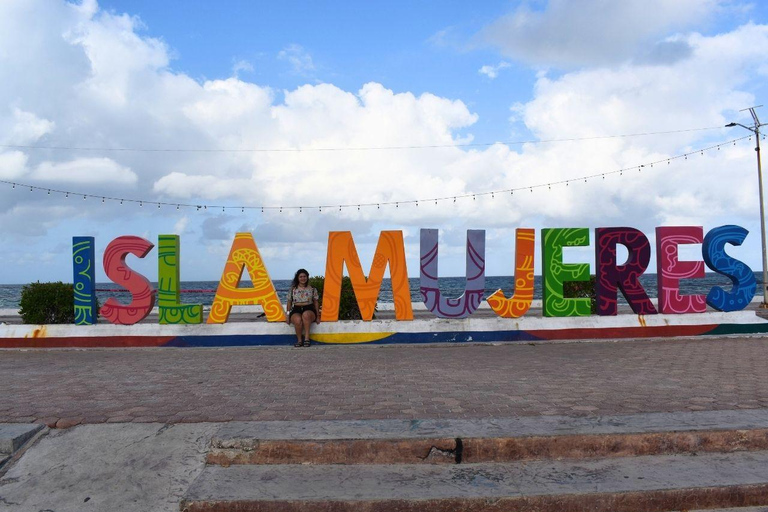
302,309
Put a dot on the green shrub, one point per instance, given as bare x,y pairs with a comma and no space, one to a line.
582,289
47,303
348,308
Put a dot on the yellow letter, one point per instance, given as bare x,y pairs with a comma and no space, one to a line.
244,253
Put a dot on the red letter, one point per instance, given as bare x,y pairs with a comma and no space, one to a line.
143,296
670,269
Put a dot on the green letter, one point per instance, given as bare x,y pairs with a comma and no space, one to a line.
555,272
171,311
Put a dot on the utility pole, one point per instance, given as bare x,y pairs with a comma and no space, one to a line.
755,128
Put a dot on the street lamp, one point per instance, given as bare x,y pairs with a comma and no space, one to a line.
755,128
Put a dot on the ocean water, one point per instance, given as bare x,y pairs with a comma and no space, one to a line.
202,292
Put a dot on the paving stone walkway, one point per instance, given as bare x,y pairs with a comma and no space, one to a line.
68,387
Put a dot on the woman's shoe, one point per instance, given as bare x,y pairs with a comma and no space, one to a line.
297,344
307,342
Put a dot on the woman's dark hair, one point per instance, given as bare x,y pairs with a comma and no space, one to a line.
295,282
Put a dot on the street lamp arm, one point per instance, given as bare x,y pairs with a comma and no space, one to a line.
731,125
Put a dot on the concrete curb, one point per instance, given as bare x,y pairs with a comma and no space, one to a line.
658,483
484,440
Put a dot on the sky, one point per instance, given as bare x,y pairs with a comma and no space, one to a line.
525,112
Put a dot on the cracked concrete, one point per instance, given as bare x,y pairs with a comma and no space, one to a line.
126,467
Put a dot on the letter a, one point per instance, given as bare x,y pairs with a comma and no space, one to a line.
244,253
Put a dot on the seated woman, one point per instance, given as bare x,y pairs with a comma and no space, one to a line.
302,307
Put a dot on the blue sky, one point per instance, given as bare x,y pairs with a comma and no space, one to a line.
231,77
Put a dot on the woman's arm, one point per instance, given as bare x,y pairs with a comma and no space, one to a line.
289,303
316,304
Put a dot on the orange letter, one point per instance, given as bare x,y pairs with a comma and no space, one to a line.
390,250
518,305
244,253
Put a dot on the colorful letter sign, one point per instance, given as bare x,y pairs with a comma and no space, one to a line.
611,276
389,251
143,296
555,272
245,254
670,270
520,302
744,282
170,309
84,269
468,302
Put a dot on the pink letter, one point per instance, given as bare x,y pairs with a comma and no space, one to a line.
120,273
670,270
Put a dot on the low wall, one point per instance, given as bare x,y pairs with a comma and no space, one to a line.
484,326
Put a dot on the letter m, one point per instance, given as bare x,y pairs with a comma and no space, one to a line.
389,251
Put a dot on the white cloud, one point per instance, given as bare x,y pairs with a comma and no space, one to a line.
13,165
590,32
493,71
241,65
85,171
299,59
181,225
27,128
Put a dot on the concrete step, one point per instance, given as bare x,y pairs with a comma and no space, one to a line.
620,484
13,436
738,509
487,440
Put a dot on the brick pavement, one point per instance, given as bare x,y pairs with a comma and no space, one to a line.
68,387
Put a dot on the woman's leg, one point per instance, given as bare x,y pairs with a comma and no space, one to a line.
296,320
307,318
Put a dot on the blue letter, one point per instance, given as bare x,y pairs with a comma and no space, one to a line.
744,283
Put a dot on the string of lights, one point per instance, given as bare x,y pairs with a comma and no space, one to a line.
351,148
436,200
